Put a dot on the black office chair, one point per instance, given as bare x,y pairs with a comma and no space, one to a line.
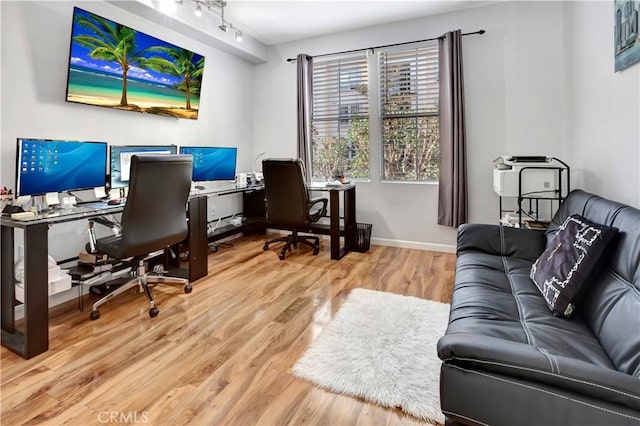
288,203
154,218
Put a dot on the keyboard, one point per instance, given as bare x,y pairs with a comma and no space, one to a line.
96,205
317,184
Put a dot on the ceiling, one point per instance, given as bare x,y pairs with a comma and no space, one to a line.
274,22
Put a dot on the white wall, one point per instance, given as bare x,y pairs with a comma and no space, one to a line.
514,95
602,129
35,49
540,81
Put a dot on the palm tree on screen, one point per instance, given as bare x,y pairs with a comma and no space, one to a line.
182,64
116,43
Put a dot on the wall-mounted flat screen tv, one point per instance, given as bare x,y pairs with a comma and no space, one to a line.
115,66
212,163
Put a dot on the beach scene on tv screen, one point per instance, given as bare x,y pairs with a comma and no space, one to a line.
112,65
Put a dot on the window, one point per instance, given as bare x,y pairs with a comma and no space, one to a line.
340,117
408,137
409,114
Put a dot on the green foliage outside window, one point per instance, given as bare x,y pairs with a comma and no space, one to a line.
411,149
342,156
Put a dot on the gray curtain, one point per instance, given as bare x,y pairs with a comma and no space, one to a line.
305,101
452,197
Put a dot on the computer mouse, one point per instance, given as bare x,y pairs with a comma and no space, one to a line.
113,202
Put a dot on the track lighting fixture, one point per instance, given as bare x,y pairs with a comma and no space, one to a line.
218,6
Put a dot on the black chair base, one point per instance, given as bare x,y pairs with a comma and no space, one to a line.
293,240
141,281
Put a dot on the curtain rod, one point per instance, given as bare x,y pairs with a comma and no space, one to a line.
386,45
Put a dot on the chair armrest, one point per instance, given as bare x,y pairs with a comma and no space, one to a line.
318,214
115,227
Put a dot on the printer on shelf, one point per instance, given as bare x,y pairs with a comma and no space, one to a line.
529,171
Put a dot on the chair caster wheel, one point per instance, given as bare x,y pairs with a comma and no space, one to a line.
265,247
153,312
94,315
315,252
281,256
188,289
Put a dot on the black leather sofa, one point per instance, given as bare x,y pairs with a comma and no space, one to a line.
507,360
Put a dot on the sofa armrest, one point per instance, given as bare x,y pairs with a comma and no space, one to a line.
526,362
501,241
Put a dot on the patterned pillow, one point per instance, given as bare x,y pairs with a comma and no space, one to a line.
561,272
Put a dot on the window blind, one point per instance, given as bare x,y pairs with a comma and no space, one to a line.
409,106
340,116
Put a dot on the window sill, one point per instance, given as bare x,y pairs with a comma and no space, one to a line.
406,182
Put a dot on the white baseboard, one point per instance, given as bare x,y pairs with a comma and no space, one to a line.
444,248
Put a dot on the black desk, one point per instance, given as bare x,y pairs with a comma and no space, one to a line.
349,221
35,338
253,211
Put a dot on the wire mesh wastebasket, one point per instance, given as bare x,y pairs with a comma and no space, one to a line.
362,238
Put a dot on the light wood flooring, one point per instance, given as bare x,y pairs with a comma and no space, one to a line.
220,355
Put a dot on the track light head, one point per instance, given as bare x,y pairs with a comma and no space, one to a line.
216,6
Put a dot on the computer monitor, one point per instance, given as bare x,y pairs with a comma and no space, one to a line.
48,166
121,160
212,163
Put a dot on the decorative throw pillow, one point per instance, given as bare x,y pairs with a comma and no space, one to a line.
561,272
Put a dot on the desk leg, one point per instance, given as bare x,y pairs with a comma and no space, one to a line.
334,213
197,238
349,219
35,339
36,292
7,286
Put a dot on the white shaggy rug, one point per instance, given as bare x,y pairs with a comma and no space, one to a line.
381,347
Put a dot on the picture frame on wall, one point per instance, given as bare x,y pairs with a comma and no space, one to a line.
112,65
626,17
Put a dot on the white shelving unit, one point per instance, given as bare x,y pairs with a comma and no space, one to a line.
535,184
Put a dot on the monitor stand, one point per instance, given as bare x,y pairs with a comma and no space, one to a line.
100,192
52,199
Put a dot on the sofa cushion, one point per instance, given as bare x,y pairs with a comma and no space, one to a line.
566,266
500,240
493,296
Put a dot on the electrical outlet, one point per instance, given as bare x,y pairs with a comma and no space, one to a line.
547,184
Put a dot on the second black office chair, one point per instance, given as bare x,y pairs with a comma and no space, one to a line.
154,218
288,203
